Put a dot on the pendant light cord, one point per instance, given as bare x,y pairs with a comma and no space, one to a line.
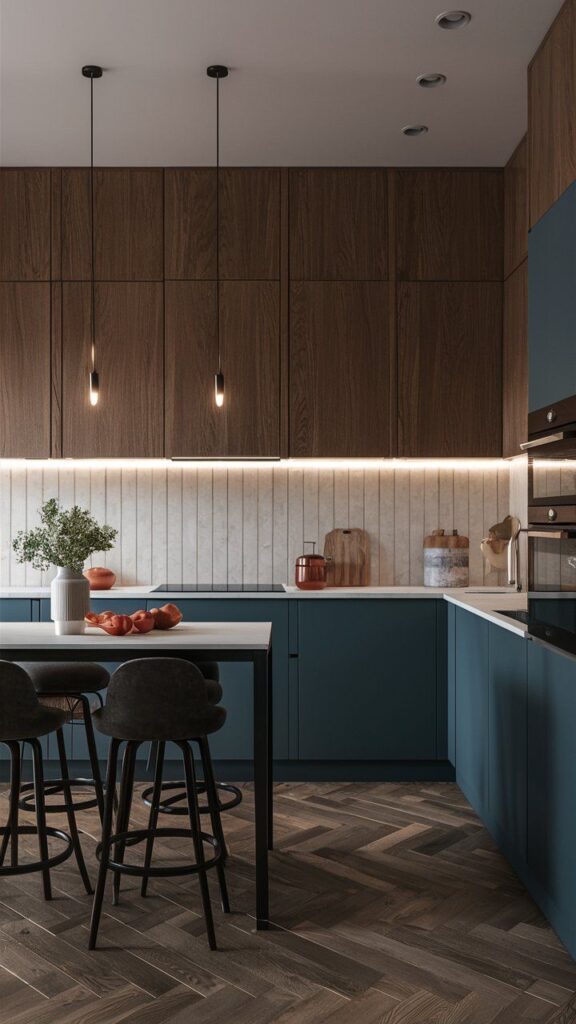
218,223
93,243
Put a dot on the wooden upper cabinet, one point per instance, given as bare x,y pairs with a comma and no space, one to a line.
190,223
25,370
129,418
516,208
551,106
339,224
128,224
449,369
515,361
24,224
339,369
449,224
248,424
249,224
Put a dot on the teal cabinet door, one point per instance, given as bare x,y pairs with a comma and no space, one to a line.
235,740
16,609
551,803
451,683
507,707
367,679
472,708
552,303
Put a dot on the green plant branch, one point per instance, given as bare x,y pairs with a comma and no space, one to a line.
66,538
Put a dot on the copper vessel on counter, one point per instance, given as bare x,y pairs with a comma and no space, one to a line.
311,570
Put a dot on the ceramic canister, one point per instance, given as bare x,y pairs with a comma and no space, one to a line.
446,559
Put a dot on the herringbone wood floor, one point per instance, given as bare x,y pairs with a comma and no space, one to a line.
390,902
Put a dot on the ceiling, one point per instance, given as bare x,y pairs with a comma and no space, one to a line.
312,82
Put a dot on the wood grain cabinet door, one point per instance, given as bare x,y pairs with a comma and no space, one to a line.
248,424
515,361
25,370
339,224
449,224
129,418
190,223
339,369
449,369
128,222
24,224
516,208
249,224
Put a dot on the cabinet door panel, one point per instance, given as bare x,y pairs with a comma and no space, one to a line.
449,225
449,369
193,423
551,104
515,361
339,369
339,224
128,420
190,223
516,208
25,370
507,739
24,224
128,224
249,224
472,708
367,691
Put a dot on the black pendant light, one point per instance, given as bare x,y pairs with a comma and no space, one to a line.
92,71
218,71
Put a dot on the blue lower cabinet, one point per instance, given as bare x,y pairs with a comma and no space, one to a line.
551,801
507,761
235,740
471,717
16,609
367,679
451,683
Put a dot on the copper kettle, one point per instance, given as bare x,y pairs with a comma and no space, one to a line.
311,570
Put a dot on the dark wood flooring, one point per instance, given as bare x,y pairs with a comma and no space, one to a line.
390,902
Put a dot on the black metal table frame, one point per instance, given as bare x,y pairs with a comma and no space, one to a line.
261,660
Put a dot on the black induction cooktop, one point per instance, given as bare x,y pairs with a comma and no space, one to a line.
219,588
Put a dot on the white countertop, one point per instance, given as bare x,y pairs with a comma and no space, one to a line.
186,635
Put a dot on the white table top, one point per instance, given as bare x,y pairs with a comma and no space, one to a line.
223,636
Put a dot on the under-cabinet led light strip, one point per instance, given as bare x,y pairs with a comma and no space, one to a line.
231,464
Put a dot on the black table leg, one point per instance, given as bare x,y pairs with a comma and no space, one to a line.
270,757
262,783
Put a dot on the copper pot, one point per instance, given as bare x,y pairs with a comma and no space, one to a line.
311,570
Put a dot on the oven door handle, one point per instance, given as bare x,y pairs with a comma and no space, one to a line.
562,435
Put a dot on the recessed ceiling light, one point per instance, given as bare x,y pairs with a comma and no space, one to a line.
453,19
431,81
412,130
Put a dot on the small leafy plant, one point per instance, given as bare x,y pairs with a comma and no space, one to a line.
66,538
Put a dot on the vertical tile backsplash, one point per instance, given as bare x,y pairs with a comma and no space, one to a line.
232,524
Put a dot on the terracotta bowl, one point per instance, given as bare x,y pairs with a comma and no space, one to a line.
100,578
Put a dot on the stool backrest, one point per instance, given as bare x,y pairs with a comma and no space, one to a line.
17,695
151,694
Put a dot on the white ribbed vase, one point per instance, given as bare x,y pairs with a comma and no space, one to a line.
70,600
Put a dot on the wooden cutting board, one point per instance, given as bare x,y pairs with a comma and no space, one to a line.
349,551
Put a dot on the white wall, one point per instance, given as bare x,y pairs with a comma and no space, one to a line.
200,524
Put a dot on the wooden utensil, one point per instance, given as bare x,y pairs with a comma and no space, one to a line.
348,554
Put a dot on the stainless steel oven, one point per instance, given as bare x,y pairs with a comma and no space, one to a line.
551,448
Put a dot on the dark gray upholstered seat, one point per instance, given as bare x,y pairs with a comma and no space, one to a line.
158,699
68,677
22,717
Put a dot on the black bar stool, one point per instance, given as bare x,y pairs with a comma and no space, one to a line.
23,720
173,804
157,700
69,685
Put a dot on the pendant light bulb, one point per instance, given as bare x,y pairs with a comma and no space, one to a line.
94,388
219,389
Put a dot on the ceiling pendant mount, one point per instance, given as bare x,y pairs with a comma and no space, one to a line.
92,71
218,71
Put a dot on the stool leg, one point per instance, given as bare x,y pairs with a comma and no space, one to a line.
153,817
124,805
215,818
70,811
41,814
11,833
197,839
106,833
93,753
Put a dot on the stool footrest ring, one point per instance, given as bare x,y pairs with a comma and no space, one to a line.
38,865
52,786
139,835
168,806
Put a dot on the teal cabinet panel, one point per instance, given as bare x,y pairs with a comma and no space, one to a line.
235,740
441,680
551,791
507,765
451,683
552,303
472,708
367,679
15,610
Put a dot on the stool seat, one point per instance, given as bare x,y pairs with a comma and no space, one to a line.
70,677
214,691
33,724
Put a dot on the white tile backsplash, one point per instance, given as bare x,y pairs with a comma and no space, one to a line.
235,524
